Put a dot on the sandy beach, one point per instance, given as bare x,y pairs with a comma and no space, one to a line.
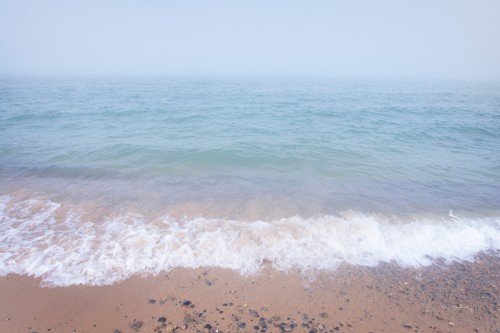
461,297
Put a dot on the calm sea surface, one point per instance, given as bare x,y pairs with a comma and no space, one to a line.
113,177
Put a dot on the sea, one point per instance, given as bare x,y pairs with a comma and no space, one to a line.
103,178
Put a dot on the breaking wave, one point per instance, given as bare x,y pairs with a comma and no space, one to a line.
65,245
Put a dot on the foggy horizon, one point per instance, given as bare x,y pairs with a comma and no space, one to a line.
450,40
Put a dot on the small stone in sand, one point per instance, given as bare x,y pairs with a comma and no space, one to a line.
285,327
152,301
406,325
162,319
187,304
135,325
253,313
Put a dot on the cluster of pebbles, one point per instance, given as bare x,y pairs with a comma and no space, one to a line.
241,320
440,299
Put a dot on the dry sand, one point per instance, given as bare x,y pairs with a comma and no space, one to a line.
462,297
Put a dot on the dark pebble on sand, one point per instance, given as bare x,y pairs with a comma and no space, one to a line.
253,313
152,301
187,303
406,325
241,325
135,325
116,331
162,319
256,328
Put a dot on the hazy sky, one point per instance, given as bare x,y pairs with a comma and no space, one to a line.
358,38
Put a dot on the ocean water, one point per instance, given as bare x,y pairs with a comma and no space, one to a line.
104,178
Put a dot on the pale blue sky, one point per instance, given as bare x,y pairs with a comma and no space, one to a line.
450,39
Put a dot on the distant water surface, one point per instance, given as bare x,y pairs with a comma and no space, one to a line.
121,176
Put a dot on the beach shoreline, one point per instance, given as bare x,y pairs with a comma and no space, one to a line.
458,297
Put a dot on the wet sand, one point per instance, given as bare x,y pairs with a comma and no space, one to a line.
461,297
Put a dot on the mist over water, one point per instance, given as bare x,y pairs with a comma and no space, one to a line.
114,177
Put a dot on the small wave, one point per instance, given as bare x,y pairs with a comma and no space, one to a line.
65,245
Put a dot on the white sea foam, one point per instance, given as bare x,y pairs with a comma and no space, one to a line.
62,245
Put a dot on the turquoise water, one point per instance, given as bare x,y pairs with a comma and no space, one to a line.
320,153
